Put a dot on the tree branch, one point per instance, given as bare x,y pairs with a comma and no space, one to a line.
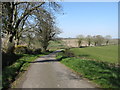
26,13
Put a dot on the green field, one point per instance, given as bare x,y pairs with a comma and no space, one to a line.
98,64
101,53
55,45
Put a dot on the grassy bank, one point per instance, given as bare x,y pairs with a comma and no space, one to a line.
10,72
93,63
100,73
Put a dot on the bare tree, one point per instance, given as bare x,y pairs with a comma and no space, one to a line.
47,29
80,39
98,40
95,40
107,39
12,17
15,14
89,39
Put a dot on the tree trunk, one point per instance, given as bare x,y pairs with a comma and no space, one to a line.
10,48
29,44
79,43
10,45
44,49
11,38
95,43
89,43
106,42
18,40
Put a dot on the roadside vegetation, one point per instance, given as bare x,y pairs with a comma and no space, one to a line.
16,63
27,29
19,66
98,64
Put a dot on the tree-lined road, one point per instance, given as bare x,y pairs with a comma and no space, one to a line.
47,72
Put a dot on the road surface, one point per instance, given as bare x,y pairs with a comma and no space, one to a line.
47,72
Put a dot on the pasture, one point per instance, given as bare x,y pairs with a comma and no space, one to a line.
55,45
100,53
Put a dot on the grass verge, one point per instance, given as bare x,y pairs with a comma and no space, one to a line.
99,72
10,72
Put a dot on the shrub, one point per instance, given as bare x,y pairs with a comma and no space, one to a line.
68,53
8,59
20,49
29,51
37,51
65,54
10,48
83,46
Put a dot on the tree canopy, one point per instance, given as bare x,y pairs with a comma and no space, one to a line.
21,17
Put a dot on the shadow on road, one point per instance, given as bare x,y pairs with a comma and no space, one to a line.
51,55
42,61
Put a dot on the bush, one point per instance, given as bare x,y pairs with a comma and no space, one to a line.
29,51
10,48
20,49
68,53
8,59
83,46
65,54
37,51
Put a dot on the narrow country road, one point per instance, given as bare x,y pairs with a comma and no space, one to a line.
47,72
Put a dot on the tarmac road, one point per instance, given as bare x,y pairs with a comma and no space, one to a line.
47,72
